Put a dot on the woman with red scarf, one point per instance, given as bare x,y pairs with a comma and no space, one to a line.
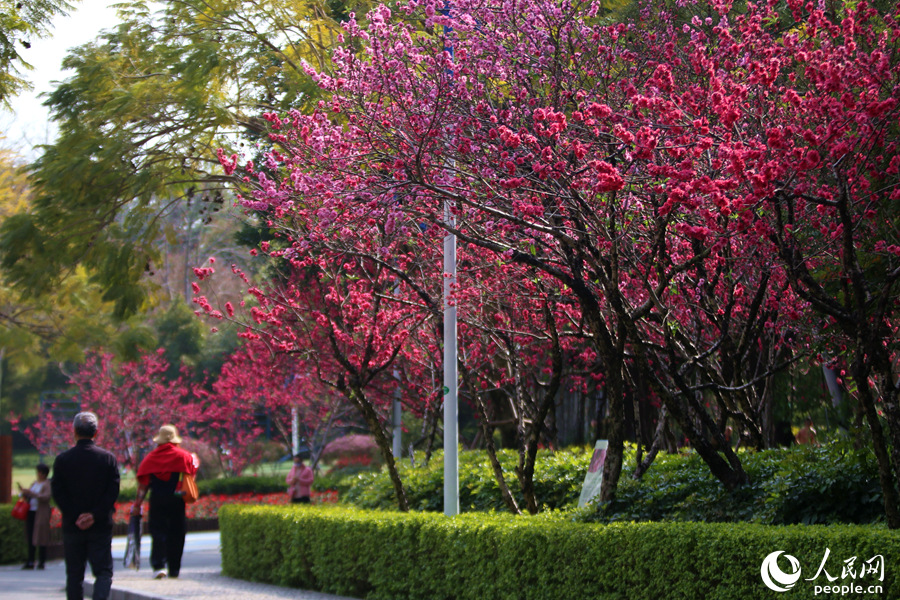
160,473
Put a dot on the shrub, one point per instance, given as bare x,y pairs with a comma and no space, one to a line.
349,450
826,484
558,478
383,554
13,548
803,484
339,479
27,459
268,484
264,484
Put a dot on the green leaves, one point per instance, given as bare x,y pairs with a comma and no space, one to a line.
22,22
557,480
140,119
385,555
787,486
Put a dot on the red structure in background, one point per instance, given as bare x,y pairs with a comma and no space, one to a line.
5,469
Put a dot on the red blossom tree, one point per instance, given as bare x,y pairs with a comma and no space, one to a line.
341,318
256,382
131,400
825,169
630,163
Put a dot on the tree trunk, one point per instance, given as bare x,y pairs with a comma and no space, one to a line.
358,398
658,440
729,472
507,496
615,398
533,433
861,373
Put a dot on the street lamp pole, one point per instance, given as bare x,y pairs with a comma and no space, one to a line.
451,447
451,414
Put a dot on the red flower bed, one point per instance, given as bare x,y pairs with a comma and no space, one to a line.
207,507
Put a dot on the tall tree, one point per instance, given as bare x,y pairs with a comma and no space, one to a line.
829,181
602,156
548,166
132,399
22,24
35,330
256,381
341,316
140,119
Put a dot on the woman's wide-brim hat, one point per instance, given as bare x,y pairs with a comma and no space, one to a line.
167,435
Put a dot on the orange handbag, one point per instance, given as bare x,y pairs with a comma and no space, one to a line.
189,490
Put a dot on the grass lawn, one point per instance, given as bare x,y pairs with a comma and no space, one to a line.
25,462
271,468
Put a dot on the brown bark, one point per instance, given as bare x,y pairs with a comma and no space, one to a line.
358,398
487,432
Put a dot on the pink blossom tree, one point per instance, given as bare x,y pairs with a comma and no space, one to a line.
132,400
824,171
548,167
622,161
341,318
255,381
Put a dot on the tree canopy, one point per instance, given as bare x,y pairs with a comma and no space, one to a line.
140,119
22,24
643,166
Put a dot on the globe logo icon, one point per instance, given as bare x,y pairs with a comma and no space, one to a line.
776,579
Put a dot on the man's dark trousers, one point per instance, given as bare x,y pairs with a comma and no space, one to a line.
92,546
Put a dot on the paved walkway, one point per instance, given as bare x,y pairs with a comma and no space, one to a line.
201,579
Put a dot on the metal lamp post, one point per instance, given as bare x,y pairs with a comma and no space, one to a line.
451,414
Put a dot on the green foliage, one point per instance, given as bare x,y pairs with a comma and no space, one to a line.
12,533
227,486
388,555
21,23
825,484
558,479
25,459
140,118
181,334
341,480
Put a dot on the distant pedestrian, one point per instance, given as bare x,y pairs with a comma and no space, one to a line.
85,487
299,480
807,434
159,473
37,523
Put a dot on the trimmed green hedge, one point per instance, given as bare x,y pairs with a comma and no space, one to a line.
12,537
389,555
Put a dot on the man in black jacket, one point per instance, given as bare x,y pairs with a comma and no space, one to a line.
85,487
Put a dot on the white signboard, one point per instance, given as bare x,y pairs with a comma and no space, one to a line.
594,477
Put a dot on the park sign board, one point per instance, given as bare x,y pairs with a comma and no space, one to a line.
594,477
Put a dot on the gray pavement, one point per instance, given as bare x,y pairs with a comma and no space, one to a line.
200,579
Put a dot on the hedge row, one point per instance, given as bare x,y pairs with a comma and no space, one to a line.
809,485
389,555
12,537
